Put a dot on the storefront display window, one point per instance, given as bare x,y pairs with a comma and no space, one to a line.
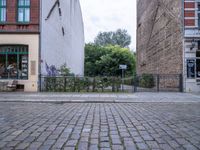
191,68
13,62
198,67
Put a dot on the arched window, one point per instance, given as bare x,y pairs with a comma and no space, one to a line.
2,10
24,11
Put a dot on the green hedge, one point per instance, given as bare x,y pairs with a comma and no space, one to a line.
147,81
84,84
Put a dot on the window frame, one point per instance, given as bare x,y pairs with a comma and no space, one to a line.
6,52
24,7
197,77
3,7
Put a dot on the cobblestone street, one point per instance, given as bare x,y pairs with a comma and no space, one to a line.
104,126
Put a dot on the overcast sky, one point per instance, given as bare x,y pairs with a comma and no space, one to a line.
109,15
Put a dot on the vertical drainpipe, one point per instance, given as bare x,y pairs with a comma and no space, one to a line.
183,51
39,54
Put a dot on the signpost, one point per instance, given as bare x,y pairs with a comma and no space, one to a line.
123,68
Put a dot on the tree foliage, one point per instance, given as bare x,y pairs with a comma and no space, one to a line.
105,61
119,37
65,71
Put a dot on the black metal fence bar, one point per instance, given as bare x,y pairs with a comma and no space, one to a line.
157,83
86,84
138,83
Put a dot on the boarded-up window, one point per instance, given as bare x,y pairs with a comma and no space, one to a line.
33,68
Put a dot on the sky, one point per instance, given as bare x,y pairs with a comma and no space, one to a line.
109,15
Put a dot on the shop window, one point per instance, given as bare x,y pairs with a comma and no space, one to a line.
13,62
198,53
198,45
198,68
2,10
191,68
24,11
198,6
199,20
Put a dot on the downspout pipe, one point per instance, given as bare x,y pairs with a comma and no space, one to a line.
183,51
39,54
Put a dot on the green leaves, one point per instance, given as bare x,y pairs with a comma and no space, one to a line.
105,61
119,37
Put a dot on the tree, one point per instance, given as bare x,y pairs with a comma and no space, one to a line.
65,71
105,61
119,37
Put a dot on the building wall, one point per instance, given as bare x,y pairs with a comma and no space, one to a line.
13,32
191,44
62,36
159,37
32,40
11,24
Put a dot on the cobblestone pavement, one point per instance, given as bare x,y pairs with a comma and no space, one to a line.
105,126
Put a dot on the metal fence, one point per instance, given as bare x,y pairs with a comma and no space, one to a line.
138,83
86,84
157,83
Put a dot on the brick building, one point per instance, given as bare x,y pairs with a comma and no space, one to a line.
19,42
168,39
37,37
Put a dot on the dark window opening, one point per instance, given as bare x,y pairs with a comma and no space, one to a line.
198,6
191,68
198,53
198,45
198,68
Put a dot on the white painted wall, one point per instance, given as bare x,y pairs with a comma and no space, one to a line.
57,49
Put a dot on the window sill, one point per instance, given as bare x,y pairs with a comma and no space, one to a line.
23,23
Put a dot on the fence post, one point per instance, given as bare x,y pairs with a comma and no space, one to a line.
74,88
158,82
135,82
113,88
46,83
94,85
65,84
181,83
40,82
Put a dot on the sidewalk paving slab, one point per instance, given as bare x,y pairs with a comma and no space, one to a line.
98,98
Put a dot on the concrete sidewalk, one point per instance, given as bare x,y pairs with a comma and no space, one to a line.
99,98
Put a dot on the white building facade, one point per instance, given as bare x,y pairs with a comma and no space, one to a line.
37,37
62,36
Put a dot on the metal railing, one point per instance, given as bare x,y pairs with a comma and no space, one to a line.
86,84
158,82
138,83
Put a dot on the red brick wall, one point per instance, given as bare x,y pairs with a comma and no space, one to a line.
189,5
12,25
189,13
189,22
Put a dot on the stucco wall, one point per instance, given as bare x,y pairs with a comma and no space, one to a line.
56,48
32,41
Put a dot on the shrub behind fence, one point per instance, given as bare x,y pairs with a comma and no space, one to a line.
138,83
86,84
